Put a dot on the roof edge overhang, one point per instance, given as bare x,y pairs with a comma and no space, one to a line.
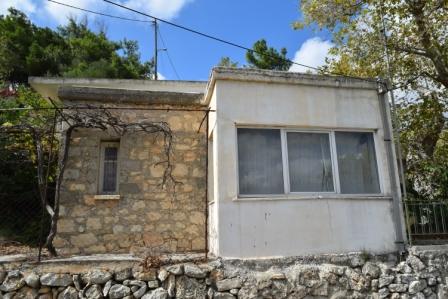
121,90
122,96
283,77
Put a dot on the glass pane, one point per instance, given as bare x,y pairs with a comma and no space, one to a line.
110,153
260,161
358,171
110,169
309,158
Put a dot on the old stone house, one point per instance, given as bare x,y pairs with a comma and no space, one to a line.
271,164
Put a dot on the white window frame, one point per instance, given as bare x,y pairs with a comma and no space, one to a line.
103,145
334,163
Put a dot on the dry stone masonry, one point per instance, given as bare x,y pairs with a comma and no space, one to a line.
423,274
146,216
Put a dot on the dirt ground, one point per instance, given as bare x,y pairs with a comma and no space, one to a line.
16,248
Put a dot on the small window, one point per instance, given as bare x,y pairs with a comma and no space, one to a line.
109,168
260,161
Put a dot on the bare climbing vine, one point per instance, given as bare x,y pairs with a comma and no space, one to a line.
69,119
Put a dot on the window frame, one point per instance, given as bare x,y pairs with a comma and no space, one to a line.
334,163
103,145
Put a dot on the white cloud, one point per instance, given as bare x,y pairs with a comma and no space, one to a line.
164,9
61,13
312,52
159,76
26,6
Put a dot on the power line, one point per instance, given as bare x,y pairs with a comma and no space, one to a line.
168,55
206,36
99,13
229,42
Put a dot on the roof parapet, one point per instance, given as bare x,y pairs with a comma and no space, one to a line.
284,77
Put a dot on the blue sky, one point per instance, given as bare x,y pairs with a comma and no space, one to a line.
242,22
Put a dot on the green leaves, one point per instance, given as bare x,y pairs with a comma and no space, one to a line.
227,62
264,57
72,50
415,36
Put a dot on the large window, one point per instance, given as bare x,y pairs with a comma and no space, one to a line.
278,161
109,168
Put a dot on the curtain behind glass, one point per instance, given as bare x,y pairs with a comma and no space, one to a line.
357,165
260,161
309,160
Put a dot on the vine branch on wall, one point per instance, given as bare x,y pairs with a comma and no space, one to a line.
72,118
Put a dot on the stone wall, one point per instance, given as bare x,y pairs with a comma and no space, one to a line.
423,274
146,217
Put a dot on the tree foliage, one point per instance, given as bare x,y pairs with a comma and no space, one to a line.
414,32
20,202
72,50
26,50
264,57
416,37
227,62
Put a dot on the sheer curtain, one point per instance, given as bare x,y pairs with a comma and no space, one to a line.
309,158
357,164
260,161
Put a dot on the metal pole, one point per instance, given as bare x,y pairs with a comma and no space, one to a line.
394,112
155,49
395,128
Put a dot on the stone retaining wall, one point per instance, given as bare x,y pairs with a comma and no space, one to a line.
423,274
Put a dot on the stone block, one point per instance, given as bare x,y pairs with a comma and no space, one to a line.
83,240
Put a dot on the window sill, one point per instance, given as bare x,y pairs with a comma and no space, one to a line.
107,197
315,197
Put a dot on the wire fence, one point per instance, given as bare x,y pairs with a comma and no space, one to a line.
427,221
23,225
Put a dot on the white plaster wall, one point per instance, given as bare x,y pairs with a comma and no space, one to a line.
290,225
213,239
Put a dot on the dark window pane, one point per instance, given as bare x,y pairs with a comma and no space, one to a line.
260,161
309,160
358,171
110,153
110,169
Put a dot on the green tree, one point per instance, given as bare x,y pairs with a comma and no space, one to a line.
406,41
28,50
94,55
424,136
73,50
227,62
416,37
264,57
20,201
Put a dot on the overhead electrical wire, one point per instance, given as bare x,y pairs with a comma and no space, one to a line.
168,55
201,33
99,13
154,18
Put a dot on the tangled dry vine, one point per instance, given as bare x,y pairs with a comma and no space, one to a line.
69,119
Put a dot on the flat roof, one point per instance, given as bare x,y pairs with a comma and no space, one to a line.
285,77
51,87
171,92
